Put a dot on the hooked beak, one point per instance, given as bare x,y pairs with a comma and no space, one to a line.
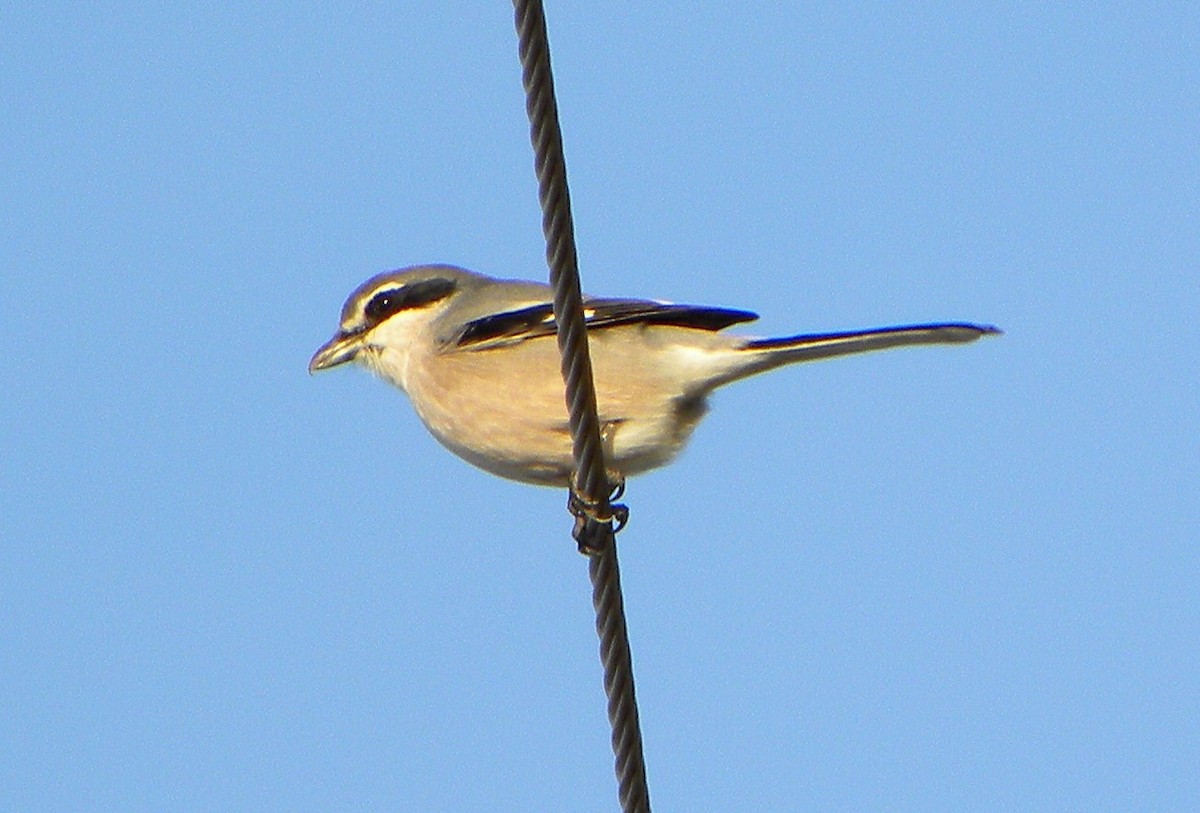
343,347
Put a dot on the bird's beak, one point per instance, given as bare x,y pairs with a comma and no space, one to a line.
341,348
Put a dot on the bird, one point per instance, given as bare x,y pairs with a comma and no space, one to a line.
478,359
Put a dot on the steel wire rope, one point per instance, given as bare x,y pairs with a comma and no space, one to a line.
594,532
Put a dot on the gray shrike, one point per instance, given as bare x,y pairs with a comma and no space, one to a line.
479,361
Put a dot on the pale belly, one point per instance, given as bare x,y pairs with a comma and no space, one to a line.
518,429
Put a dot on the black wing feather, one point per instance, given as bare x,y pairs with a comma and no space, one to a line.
538,320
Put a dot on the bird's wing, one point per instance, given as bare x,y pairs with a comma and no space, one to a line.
538,320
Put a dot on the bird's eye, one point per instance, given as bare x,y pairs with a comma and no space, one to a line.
414,295
383,305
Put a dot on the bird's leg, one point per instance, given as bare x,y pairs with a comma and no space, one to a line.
616,480
601,511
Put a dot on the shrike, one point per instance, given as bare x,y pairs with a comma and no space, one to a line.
478,359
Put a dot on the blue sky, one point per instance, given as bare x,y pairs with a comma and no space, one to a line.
937,579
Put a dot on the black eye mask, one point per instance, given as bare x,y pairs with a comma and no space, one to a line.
413,295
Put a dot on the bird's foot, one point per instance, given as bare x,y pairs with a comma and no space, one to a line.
603,512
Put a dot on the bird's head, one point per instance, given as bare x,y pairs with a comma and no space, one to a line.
385,315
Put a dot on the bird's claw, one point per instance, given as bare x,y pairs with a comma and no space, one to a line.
604,512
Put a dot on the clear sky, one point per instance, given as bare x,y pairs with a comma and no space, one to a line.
938,579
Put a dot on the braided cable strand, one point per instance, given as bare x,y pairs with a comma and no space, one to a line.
591,479
559,229
618,681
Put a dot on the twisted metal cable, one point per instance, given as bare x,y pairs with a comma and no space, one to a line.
591,479
559,230
618,681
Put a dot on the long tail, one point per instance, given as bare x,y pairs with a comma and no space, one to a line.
766,354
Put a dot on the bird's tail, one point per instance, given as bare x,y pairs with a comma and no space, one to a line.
759,355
